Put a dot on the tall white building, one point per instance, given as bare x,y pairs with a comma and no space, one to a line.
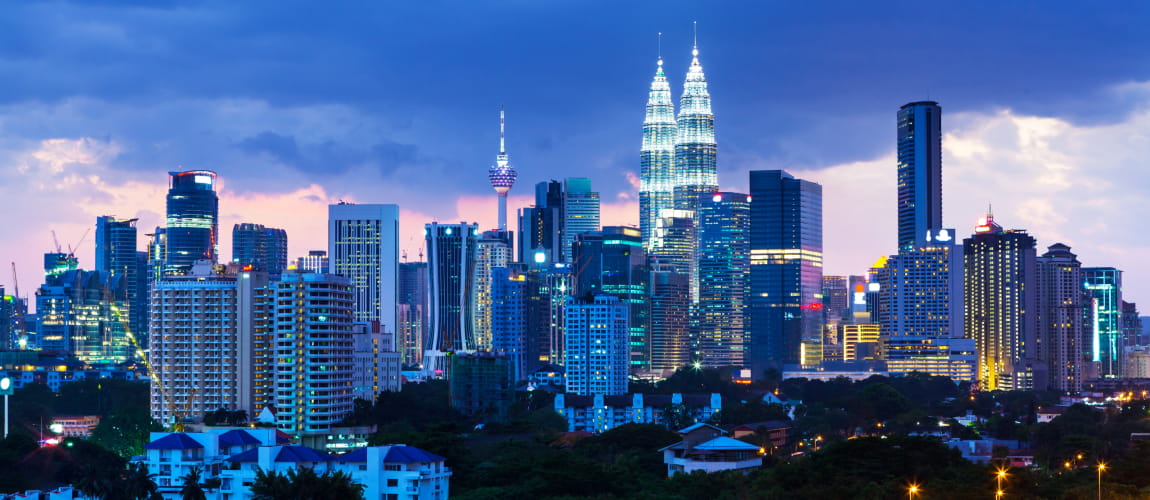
210,343
363,246
314,352
597,349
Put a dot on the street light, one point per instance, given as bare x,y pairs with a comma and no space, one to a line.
6,390
911,491
999,475
1101,467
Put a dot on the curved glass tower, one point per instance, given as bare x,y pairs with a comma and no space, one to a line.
695,170
657,157
193,220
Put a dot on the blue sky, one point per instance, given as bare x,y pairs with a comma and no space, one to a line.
298,104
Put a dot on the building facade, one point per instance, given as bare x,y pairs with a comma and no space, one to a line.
1061,316
192,226
786,258
363,246
1103,286
920,288
696,171
79,314
919,171
657,156
597,352
670,320
580,212
451,259
116,254
412,311
724,266
613,262
262,248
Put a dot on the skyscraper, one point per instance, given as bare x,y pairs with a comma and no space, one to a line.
541,226
192,227
657,156
502,175
78,316
1106,345
597,337
612,262
547,287
1060,317
314,352
580,211
999,297
508,318
413,312
920,288
695,171
919,171
786,261
116,254
724,262
491,252
674,244
670,320
363,246
451,250
262,248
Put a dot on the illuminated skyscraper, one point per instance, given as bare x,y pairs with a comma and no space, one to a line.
508,315
116,254
920,288
670,320
491,252
580,211
1060,314
919,171
674,243
785,304
541,225
363,246
192,227
262,248
724,262
79,316
413,313
657,156
597,337
612,262
999,297
502,175
451,252
695,171
1106,345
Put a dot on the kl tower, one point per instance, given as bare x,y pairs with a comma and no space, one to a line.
502,176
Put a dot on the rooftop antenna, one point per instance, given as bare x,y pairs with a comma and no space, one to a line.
660,51
502,149
695,29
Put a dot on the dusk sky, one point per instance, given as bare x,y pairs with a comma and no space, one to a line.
300,104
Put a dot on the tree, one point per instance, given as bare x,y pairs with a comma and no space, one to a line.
125,432
138,484
192,489
302,483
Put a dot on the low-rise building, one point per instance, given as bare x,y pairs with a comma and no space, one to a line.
708,448
233,456
601,413
80,426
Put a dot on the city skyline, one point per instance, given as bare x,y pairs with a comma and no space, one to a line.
1056,154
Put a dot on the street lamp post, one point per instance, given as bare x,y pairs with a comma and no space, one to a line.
911,491
999,476
6,390
1101,467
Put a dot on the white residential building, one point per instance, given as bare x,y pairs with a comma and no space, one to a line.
707,448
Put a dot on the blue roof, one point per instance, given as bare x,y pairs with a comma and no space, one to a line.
237,437
396,454
297,453
174,441
408,454
252,455
725,444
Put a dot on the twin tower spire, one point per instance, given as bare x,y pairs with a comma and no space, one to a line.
677,160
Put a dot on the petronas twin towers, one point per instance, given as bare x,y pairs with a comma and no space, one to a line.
678,154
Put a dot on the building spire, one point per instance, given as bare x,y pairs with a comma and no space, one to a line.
502,142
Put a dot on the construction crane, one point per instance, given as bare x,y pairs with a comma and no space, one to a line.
71,250
18,310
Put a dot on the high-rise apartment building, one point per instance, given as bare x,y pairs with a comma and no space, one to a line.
1131,325
211,343
919,171
116,254
920,288
786,261
580,212
695,171
363,246
613,262
412,313
597,351
491,252
451,256
315,349
1000,299
192,226
508,318
262,248
724,262
1103,286
1060,316
657,156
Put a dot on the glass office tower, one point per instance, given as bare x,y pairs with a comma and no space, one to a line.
192,227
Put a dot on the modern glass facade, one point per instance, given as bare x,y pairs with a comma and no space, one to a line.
451,253
192,227
670,320
508,312
998,282
262,248
657,156
674,244
580,212
116,254
597,344
613,262
696,172
786,268
491,252
919,171
412,314
724,262
79,315
541,226
1104,290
